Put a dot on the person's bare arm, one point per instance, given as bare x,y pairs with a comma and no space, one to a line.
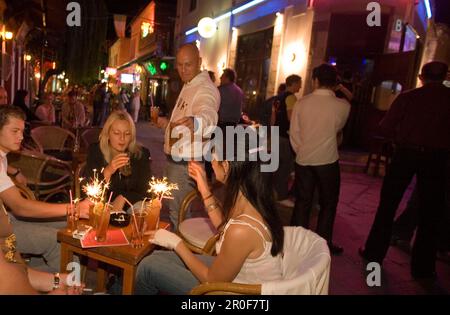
36,209
238,244
20,178
197,172
14,279
348,95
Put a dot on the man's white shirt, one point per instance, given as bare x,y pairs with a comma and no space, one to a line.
316,120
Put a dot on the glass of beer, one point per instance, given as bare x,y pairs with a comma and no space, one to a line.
73,214
153,208
97,210
126,169
103,223
154,114
138,228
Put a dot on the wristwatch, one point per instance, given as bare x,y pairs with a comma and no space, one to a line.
56,280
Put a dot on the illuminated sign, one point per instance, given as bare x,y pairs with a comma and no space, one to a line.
110,71
146,29
126,78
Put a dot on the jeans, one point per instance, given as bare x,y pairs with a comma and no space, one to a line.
39,238
177,173
327,179
429,167
164,271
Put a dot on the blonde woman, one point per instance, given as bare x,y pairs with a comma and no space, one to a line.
120,161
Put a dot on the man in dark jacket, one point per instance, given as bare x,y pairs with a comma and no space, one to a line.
418,123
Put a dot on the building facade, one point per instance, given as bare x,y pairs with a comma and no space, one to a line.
264,41
267,40
144,58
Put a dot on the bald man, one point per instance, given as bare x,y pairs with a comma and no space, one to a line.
3,96
199,99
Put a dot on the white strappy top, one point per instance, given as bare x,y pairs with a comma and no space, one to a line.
260,269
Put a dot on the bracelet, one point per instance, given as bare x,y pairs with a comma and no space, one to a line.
207,197
212,207
56,280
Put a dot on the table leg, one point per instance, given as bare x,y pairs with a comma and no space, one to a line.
66,257
129,274
101,278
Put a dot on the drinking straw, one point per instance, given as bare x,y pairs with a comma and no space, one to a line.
142,205
71,199
132,213
110,196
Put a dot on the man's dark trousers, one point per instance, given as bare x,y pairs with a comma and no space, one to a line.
327,178
429,167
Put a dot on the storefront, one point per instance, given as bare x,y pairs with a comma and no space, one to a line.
263,41
143,60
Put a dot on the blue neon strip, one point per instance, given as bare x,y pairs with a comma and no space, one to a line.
228,14
428,7
222,17
191,31
246,6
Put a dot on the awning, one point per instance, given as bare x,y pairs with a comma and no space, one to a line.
139,60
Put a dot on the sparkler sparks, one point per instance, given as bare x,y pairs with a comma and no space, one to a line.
161,187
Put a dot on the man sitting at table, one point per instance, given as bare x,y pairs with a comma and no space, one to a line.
32,237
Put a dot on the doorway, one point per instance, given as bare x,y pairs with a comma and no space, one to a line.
252,68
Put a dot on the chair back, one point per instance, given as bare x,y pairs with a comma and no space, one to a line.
25,191
76,179
46,175
52,138
90,135
306,264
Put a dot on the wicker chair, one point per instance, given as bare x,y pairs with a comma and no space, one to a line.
89,136
199,234
76,179
46,175
305,269
54,141
25,191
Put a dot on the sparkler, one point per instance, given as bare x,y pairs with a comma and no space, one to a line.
95,189
161,187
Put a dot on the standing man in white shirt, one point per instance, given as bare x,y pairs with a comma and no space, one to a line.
199,99
316,120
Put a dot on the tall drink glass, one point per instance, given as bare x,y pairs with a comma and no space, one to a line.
138,227
103,223
154,114
73,214
153,208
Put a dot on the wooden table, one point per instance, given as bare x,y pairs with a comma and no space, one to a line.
125,257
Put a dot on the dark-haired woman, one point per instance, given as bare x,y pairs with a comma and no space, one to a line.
251,242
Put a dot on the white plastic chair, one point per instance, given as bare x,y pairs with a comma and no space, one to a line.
305,265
